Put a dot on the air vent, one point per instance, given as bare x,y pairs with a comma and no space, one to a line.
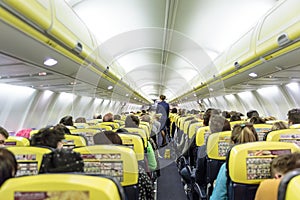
78,47
283,39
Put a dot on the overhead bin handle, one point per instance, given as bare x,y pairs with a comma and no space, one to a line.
78,47
283,39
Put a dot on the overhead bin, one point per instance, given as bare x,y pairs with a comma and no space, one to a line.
278,27
70,30
36,11
241,52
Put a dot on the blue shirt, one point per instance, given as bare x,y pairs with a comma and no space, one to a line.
220,189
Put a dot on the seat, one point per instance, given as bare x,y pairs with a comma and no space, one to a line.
87,133
289,186
62,186
113,160
193,129
17,141
113,125
140,132
101,126
248,164
29,158
146,128
285,135
135,142
201,135
81,125
261,130
217,147
72,141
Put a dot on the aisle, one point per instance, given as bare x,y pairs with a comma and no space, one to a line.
169,185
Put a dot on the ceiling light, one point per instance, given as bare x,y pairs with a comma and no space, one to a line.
127,95
252,74
73,83
50,62
110,87
195,95
42,73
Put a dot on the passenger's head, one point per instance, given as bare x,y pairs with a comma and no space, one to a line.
107,137
80,120
235,117
218,123
243,133
8,165
252,113
162,97
278,126
3,136
132,121
49,137
284,163
109,117
257,120
294,116
146,118
174,110
117,117
67,120
225,114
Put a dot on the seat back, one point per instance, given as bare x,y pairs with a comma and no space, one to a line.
17,141
201,135
289,186
140,132
62,186
72,141
135,142
113,125
81,125
285,135
88,134
217,147
113,160
261,130
29,159
101,126
146,129
248,164
193,129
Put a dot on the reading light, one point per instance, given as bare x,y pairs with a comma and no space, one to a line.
110,87
42,73
50,62
252,74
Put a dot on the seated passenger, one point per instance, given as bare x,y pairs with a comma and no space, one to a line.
235,117
132,121
80,120
241,133
59,160
279,125
294,116
145,185
257,120
3,136
8,165
268,189
109,117
252,113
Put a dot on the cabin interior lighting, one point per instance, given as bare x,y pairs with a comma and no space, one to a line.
50,62
110,87
253,75
293,86
42,73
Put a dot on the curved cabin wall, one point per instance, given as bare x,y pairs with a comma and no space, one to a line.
24,107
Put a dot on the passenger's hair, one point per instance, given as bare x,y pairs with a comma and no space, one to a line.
62,128
162,97
4,132
285,163
107,137
80,120
174,110
243,133
294,116
67,120
226,114
257,120
48,137
218,123
109,117
279,125
117,117
252,113
132,121
146,118
235,117
8,165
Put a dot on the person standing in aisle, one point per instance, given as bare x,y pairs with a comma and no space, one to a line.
163,108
